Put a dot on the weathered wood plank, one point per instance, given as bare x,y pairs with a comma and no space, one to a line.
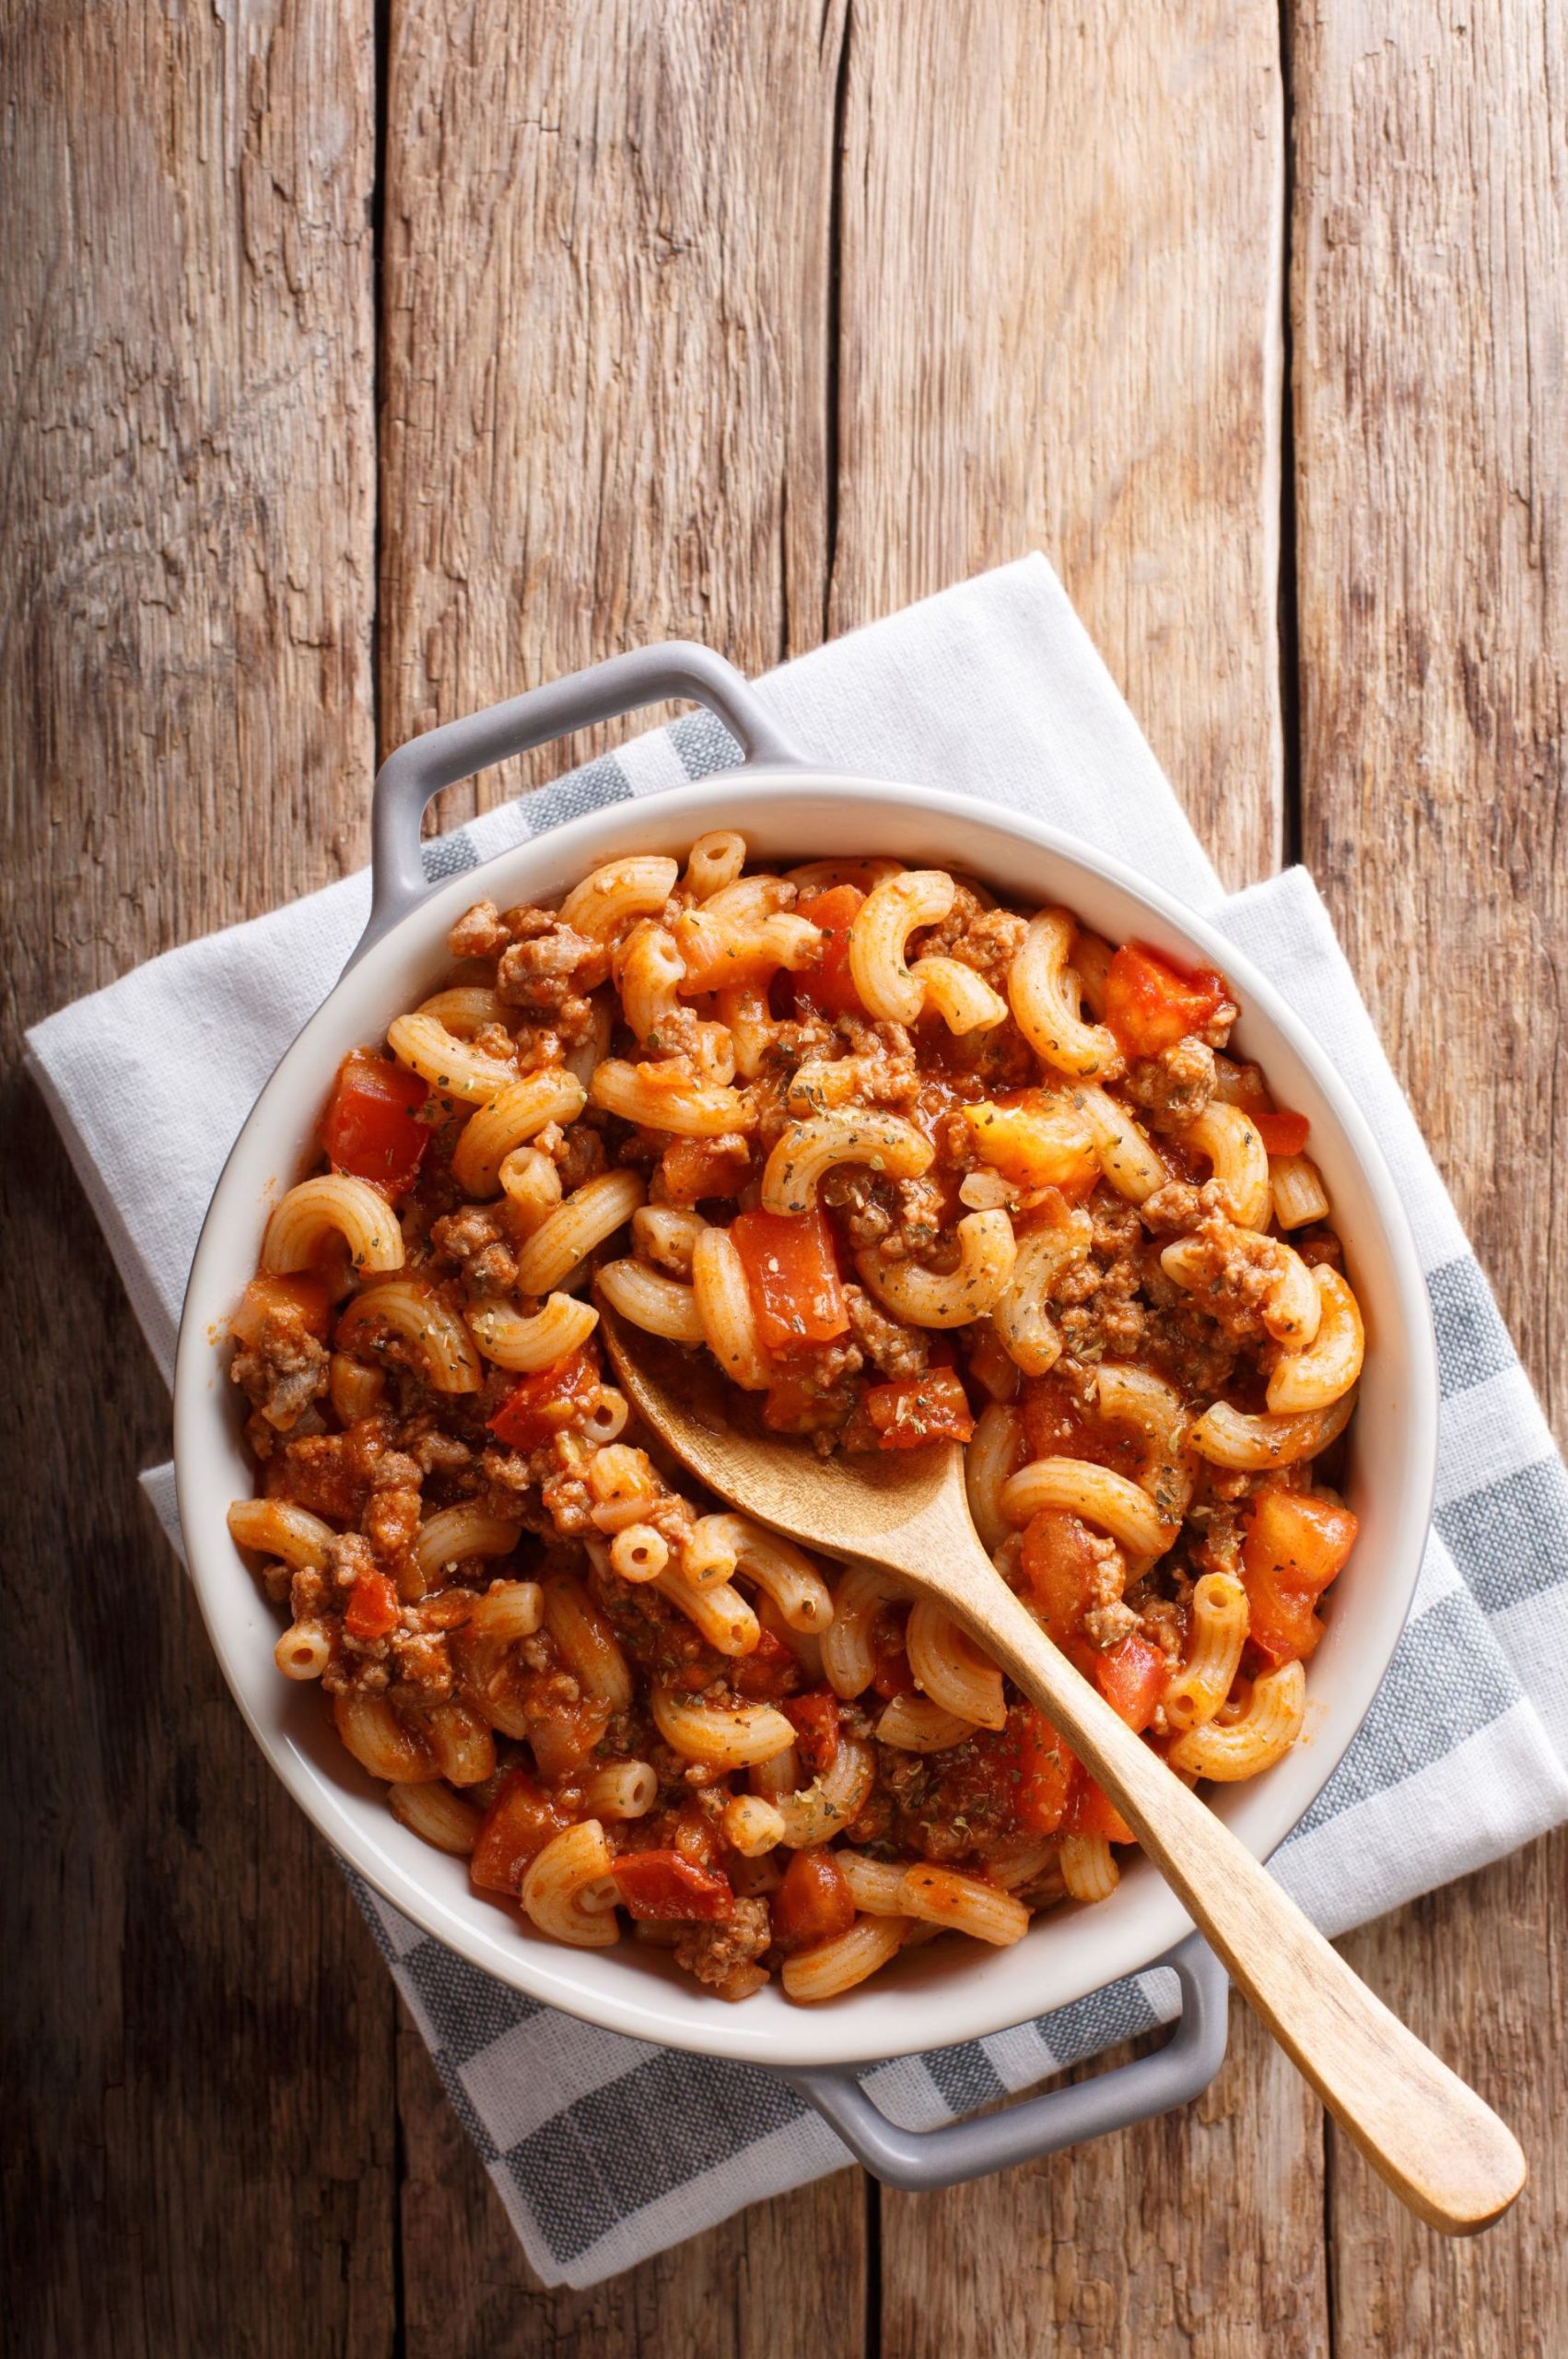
1431,243
198,2109
1061,328
1061,321
605,421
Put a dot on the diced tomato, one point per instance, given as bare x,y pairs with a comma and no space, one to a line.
663,1888
812,1904
540,1405
765,1673
814,1719
791,1276
1282,1131
1150,1006
1294,1547
793,1405
297,1296
1132,1677
1045,1771
515,1828
1040,1141
829,984
370,1129
1058,1562
1091,1812
372,1607
914,1410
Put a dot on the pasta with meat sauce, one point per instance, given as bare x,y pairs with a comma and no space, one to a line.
906,1165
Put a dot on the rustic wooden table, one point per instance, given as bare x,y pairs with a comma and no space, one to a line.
368,359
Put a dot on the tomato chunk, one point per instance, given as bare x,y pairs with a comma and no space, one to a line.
1058,1561
812,1904
1091,1812
1294,1546
914,1410
1042,1141
663,1888
1282,1132
299,1297
1150,1006
829,984
369,1130
764,1674
791,1276
372,1607
814,1719
1132,1677
540,1405
1045,1771
515,1828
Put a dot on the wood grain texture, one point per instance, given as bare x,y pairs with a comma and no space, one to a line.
1431,241
1061,329
198,2027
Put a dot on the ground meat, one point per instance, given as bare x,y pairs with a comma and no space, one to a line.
1319,1248
479,933
716,1953
987,940
892,1349
284,1373
1175,1086
461,1236
391,1522
578,1156
901,1218
1100,1315
1172,1210
548,969
423,1663
882,1058
1232,1271
435,1452
1106,1620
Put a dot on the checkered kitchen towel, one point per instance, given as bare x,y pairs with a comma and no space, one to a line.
605,2150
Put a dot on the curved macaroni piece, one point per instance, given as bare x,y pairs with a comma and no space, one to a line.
1092,957
718,1613
305,1648
1044,992
354,1390
532,1186
1228,1750
624,1486
466,1010
454,1067
509,1120
920,1724
638,1552
1126,1158
1026,1862
421,1320
462,1743
1290,1307
744,1013
616,894
275,1528
662,1097
583,1220
883,1141
952,1298
964,1000
1022,1319
380,1741
707,1552
649,974
731,940
1136,1397
438,1816
659,1306
447,1538
847,1662
334,1203
714,861
751,1825
586,1642
1230,1139
1226,1436
724,1306
1294,1308
1080,1486
508,1611
1321,1374
1089,1870
1218,1633
728,1737
882,924
621,1789
950,1667
829,1969
667,1237
525,1343
553,1888
873,1883
592,1044
992,1456
818,1085
821,875
785,1572
1298,1191
962,1904
818,1812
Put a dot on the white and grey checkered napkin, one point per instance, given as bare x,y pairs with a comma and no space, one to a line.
605,2149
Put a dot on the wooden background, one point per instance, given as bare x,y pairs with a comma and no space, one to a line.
364,360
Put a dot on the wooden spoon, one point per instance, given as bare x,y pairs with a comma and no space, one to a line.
1442,2151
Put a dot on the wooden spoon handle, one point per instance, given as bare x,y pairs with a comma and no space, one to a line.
1442,2151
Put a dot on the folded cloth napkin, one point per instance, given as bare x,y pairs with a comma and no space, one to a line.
605,2149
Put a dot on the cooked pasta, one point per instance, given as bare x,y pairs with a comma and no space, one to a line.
903,1164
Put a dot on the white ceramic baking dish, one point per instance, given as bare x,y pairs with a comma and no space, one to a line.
948,1992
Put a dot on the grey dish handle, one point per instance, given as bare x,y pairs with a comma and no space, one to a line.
407,779
922,2159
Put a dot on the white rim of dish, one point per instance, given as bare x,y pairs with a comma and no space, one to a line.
844,2033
